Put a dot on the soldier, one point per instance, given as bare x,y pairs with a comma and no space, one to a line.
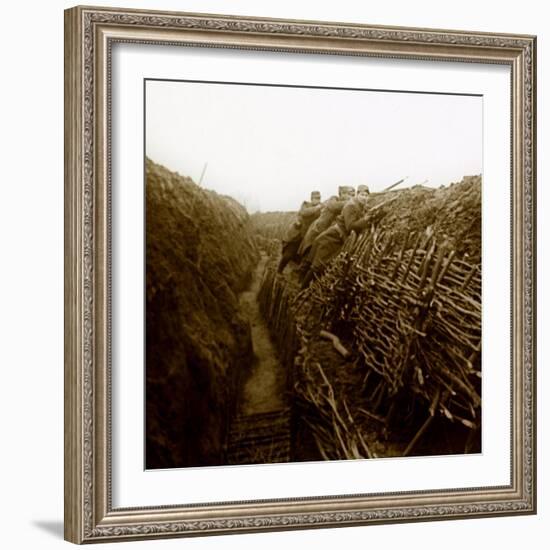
331,209
351,191
328,244
309,211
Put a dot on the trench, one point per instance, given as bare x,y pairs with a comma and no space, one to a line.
260,384
260,430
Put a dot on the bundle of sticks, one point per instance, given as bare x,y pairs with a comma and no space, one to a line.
326,412
410,312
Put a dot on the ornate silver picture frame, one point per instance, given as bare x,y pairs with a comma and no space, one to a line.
91,514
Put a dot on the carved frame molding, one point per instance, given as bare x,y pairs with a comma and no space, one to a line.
89,35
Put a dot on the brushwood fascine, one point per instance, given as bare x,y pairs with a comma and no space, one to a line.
403,300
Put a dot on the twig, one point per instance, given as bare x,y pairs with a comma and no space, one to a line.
338,346
418,435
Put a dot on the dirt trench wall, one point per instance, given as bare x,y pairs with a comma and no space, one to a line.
199,256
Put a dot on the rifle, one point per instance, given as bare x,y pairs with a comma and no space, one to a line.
383,203
370,211
394,185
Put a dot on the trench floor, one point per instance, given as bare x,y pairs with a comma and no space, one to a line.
265,388
260,433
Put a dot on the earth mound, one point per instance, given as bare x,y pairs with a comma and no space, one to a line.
199,255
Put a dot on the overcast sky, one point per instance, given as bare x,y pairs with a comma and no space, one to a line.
269,147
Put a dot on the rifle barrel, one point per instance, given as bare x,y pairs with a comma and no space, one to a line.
382,204
394,184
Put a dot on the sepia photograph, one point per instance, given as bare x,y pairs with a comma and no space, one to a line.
300,273
313,273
